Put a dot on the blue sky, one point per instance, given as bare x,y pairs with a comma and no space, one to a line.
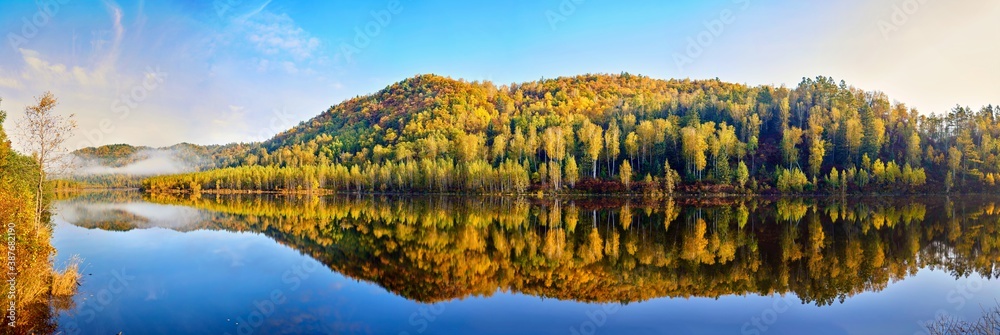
219,71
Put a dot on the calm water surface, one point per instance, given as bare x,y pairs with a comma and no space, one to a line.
448,265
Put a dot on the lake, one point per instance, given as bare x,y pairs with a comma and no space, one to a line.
370,264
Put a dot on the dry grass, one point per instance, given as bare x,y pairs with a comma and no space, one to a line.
41,291
65,283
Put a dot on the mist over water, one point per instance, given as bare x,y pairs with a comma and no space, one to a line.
146,162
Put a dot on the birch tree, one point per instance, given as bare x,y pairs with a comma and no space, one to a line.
42,133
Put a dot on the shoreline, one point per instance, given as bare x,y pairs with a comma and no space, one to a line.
534,194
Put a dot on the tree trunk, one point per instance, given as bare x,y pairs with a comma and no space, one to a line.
38,196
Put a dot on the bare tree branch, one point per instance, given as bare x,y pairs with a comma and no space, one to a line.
988,324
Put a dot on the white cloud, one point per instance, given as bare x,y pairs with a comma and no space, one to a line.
9,82
234,117
274,34
41,70
40,67
275,41
97,81
290,67
44,72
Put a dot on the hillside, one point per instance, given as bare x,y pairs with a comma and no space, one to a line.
612,133
124,165
122,155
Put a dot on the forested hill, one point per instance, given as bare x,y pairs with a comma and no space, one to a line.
429,106
124,165
610,133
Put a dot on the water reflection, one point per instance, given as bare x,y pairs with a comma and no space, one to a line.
434,249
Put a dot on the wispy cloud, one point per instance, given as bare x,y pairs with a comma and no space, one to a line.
272,42
106,44
109,57
254,12
96,62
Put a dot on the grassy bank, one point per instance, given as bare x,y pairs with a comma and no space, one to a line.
33,290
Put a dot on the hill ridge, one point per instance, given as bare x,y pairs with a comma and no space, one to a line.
616,132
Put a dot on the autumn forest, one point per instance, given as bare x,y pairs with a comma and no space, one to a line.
610,134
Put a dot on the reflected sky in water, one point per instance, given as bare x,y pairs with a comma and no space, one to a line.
181,266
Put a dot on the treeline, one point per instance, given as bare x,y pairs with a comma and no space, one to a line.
606,133
424,175
40,292
98,181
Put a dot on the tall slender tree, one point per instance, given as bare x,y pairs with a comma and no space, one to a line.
43,133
